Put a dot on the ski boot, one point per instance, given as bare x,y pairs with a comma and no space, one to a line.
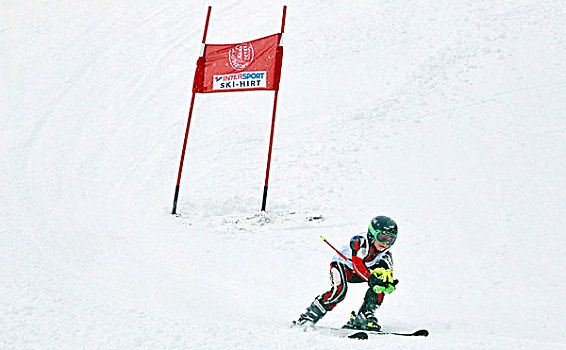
365,319
312,315
362,322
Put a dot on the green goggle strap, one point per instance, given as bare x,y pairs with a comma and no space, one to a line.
375,233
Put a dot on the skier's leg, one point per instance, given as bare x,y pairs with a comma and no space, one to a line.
338,288
327,301
366,319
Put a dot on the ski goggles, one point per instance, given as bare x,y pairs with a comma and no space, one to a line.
382,236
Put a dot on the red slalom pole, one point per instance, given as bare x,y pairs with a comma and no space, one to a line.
280,58
174,211
336,250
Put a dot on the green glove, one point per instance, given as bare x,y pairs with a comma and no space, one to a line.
381,281
380,289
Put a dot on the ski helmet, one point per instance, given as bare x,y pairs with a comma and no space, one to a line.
383,230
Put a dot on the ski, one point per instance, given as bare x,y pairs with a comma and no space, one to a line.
419,333
364,334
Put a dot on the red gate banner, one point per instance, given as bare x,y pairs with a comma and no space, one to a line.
253,65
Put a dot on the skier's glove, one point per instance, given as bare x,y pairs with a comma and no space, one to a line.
381,281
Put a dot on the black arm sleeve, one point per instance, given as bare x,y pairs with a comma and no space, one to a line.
386,261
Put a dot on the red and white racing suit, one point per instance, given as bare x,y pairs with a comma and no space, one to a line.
361,258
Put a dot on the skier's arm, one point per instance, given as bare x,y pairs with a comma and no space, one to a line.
359,246
381,279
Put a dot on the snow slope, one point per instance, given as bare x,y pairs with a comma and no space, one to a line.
448,116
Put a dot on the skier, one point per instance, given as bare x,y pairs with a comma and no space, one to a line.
367,259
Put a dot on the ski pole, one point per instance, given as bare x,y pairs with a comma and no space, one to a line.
336,250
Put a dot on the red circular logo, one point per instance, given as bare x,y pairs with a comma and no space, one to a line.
241,55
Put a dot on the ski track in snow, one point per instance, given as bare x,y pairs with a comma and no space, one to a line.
447,116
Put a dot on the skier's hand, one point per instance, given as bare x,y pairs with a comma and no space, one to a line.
379,289
381,276
381,281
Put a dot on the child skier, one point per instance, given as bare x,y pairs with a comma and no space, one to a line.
367,259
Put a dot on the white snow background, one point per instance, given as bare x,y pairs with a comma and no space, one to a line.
449,116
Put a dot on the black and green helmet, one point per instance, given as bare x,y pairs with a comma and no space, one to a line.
383,230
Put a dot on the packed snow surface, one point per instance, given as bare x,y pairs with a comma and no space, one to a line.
448,116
